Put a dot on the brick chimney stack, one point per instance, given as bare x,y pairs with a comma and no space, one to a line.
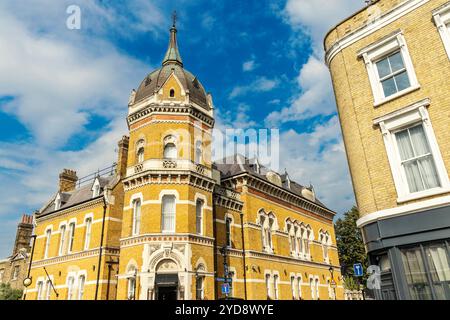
122,156
23,235
67,180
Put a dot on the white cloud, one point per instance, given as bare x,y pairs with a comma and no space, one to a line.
59,79
318,157
315,95
249,65
316,17
261,84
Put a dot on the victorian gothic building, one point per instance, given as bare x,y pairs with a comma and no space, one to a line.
169,223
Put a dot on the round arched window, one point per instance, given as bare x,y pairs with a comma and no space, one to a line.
170,151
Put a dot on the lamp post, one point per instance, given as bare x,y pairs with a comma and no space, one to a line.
28,280
223,251
332,282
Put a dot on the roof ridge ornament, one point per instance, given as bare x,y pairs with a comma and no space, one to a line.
173,55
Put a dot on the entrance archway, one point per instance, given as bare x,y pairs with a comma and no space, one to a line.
166,280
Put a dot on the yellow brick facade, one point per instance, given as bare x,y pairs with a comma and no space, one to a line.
369,165
142,261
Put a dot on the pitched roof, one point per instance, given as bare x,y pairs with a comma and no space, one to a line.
79,195
238,164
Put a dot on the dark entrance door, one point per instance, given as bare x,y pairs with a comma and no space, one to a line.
167,293
166,286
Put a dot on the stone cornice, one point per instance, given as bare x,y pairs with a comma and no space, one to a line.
158,237
227,198
167,177
76,256
69,210
171,107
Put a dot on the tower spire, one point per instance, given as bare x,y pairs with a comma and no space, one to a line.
172,54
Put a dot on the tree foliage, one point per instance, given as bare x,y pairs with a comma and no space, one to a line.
8,293
350,243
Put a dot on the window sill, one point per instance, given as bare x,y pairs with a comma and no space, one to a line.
423,194
395,96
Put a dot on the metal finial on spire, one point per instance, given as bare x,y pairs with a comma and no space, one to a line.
172,54
174,18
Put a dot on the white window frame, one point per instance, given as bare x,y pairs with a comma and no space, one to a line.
199,207
268,289
379,50
401,119
71,236
299,287
48,289
200,280
40,289
87,236
131,288
70,287
96,188
163,230
276,281
441,18
81,284
48,237
62,239
137,213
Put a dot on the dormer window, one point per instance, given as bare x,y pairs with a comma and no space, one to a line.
58,201
172,93
96,188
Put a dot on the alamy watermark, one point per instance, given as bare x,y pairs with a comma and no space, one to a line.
73,21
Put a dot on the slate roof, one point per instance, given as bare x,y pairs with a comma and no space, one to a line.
238,164
172,62
79,195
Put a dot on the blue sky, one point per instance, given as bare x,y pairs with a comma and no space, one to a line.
64,93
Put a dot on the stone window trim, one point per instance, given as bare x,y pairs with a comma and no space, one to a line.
399,120
379,50
441,17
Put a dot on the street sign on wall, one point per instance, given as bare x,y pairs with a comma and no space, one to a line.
358,269
225,288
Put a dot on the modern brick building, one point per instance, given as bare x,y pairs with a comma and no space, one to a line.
390,66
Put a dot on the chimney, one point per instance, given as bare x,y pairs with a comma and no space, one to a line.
122,160
67,180
23,235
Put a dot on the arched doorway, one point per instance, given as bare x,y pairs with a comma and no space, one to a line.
166,280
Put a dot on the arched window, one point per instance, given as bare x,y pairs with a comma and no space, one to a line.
131,288
170,151
198,152
228,222
71,236
168,213
40,289
313,290
199,290
136,216
275,286
87,237
266,222
172,93
48,290
62,232
293,287
70,287
81,282
140,150
317,289
268,286
324,239
140,155
299,285
199,216
48,236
